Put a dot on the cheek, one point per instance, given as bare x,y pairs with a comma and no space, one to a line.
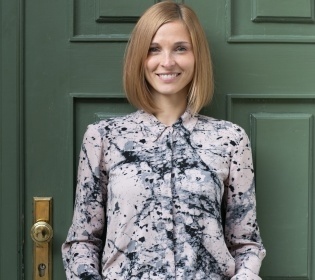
188,64
150,64
192,63
190,68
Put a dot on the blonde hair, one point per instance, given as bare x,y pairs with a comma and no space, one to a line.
135,85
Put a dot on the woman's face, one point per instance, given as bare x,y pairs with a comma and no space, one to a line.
169,67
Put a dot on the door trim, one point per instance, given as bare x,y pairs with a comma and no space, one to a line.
12,136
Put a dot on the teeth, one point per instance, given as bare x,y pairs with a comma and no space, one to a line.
167,76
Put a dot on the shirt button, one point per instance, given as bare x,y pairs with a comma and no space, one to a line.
160,226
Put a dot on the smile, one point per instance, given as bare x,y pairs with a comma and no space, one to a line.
167,77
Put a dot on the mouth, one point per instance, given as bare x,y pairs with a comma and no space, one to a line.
168,76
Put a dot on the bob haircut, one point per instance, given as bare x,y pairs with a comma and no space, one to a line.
135,84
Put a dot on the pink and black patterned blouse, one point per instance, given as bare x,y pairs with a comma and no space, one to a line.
164,202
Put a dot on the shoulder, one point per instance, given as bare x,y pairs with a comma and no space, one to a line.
221,128
221,135
115,125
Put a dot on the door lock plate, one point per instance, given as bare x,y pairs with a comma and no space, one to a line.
42,233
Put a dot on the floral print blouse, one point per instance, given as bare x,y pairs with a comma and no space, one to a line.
164,202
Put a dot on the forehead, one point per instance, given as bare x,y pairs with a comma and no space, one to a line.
172,31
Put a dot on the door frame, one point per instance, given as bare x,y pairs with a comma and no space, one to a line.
12,135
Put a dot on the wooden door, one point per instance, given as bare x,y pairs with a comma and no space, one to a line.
264,57
61,67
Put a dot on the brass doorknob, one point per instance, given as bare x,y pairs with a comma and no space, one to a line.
41,232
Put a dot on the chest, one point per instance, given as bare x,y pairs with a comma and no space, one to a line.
174,163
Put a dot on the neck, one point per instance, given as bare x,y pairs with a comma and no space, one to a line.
170,110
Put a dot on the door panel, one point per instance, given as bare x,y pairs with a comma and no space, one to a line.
282,135
62,71
284,183
105,20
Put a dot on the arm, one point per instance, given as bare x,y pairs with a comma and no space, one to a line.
241,228
82,249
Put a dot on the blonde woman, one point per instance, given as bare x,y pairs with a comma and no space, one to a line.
165,193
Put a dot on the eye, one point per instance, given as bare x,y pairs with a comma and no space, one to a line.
181,49
153,50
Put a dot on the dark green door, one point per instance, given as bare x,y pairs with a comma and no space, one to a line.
61,67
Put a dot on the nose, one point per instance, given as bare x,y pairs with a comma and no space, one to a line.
168,60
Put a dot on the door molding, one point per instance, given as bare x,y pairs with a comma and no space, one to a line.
255,21
11,148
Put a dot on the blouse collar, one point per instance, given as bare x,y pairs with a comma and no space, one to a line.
155,128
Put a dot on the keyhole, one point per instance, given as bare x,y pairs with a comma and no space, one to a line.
41,269
43,233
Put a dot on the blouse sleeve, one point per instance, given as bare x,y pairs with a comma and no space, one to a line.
241,228
82,249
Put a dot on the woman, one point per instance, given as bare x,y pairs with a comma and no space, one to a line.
165,193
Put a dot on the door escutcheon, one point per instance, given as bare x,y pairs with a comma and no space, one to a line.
42,234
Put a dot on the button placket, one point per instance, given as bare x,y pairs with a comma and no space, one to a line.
167,207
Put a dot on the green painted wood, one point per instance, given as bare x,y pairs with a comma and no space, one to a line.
118,19
283,8
281,128
11,146
72,76
243,24
119,8
47,128
283,182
